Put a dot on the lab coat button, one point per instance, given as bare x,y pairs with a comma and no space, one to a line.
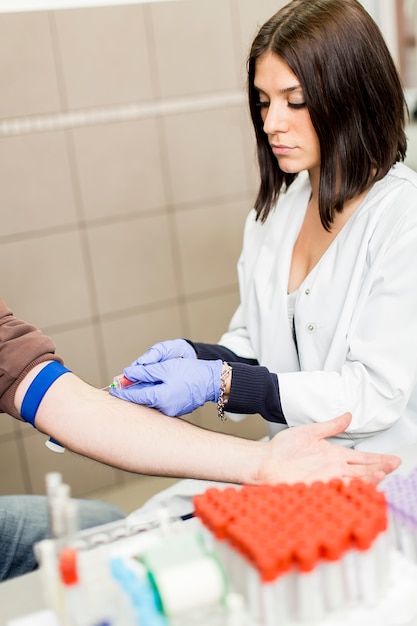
307,292
310,328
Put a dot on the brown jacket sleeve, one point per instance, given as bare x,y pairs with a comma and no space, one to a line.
22,346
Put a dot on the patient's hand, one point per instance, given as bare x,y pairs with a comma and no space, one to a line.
304,455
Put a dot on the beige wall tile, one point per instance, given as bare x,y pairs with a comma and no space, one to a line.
83,475
104,55
28,82
45,282
136,491
209,317
252,15
210,241
132,263
252,427
205,151
11,473
7,425
127,337
35,183
80,350
119,167
194,47
250,155
21,427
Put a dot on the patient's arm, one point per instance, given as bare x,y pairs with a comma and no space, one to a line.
137,439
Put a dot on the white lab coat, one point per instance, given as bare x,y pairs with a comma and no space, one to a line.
355,314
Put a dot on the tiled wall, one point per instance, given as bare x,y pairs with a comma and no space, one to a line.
126,172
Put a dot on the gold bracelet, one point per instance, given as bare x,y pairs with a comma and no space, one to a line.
221,400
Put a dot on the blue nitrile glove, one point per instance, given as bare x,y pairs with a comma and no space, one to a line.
164,350
179,385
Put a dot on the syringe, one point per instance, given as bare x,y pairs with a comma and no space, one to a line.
119,382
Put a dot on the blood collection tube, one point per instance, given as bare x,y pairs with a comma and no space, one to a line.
119,382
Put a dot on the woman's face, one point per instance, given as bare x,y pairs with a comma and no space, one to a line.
285,116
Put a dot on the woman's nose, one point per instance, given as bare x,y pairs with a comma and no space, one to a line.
276,119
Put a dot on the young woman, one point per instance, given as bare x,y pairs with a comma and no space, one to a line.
328,276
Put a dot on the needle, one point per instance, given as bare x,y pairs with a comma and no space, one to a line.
119,382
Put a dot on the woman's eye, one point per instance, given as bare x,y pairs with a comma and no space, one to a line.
297,105
262,104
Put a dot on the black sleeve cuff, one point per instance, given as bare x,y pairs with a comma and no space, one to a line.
255,390
214,351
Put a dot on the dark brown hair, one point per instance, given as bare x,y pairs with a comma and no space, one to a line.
352,91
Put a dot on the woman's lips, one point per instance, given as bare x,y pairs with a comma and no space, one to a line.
281,150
